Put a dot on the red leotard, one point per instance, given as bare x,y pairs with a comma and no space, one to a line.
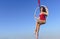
42,17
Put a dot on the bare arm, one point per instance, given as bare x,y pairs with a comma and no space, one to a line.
46,11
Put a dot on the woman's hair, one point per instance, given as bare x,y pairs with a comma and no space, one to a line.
44,10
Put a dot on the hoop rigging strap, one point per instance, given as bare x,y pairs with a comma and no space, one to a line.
39,3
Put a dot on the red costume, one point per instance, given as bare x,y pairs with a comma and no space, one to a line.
42,16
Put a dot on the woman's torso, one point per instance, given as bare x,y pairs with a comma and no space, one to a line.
42,16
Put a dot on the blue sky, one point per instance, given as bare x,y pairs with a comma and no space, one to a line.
17,18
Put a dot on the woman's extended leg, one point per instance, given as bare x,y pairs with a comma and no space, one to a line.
38,27
37,30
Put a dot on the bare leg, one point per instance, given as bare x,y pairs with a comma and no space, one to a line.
37,30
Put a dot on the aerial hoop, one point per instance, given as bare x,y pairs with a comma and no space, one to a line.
39,9
36,10
35,13
45,7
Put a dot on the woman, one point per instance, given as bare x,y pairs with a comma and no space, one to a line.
41,20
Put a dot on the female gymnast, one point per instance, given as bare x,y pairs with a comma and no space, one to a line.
41,19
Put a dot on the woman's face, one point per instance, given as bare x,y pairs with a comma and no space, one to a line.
41,9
